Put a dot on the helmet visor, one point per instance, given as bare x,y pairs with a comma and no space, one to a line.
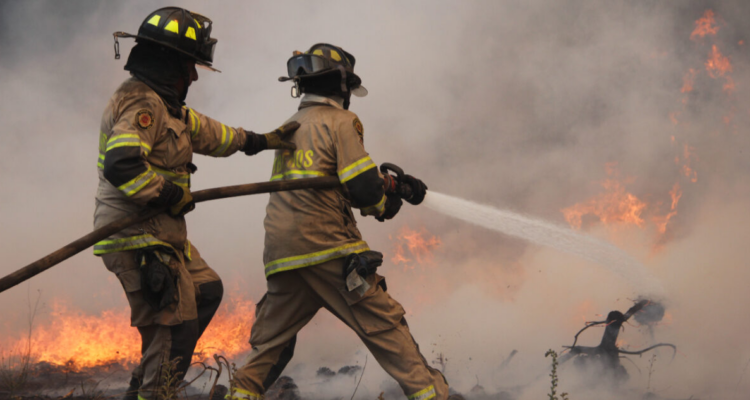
304,64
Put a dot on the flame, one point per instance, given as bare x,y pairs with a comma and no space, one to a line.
615,204
76,341
717,64
688,154
705,26
688,80
420,246
661,221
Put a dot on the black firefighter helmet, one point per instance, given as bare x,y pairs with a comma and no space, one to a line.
321,61
186,32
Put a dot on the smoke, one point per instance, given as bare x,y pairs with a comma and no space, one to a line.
517,105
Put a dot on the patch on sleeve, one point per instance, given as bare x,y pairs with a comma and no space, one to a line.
358,126
144,118
360,129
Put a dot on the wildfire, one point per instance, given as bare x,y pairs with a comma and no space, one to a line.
717,64
688,80
661,221
615,204
705,26
76,341
419,245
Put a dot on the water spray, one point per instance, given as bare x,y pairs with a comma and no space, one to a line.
550,235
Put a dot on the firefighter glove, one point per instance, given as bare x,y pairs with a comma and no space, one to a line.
365,263
183,205
157,282
392,206
278,139
418,189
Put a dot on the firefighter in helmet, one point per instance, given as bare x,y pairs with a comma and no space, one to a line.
146,144
314,254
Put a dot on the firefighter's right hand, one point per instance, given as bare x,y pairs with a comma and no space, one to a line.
184,205
392,206
279,139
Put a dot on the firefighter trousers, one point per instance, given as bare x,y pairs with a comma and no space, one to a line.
170,335
293,298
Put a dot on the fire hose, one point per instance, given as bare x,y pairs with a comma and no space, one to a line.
108,230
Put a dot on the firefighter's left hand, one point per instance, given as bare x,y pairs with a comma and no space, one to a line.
279,139
392,206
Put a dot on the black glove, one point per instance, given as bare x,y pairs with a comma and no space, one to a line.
157,283
418,189
365,263
392,205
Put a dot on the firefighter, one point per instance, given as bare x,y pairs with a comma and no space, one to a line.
146,145
314,254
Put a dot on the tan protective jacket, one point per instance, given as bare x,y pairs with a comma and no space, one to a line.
308,227
136,117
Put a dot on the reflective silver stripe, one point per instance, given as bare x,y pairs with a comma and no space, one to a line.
100,162
132,187
424,394
127,139
242,394
305,260
355,169
128,243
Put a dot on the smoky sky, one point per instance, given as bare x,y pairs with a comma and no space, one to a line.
516,104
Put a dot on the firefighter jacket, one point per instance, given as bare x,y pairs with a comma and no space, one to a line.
308,227
142,145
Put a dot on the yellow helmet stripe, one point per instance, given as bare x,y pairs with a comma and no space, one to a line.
190,33
173,26
155,20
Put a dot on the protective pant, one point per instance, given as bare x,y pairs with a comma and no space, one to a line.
200,291
292,300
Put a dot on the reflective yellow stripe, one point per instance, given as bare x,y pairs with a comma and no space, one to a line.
173,26
134,185
196,128
305,260
100,163
155,20
178,179
242,394
355,169
296,174
377,209
226,139
188,250
128,243
139,396
127,139
424,394
190,33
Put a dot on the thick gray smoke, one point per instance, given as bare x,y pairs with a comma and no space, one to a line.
519,105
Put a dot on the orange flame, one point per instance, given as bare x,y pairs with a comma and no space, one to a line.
614,205
688,155
717,64
705,26
661,221
688,81
75,340
420,246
